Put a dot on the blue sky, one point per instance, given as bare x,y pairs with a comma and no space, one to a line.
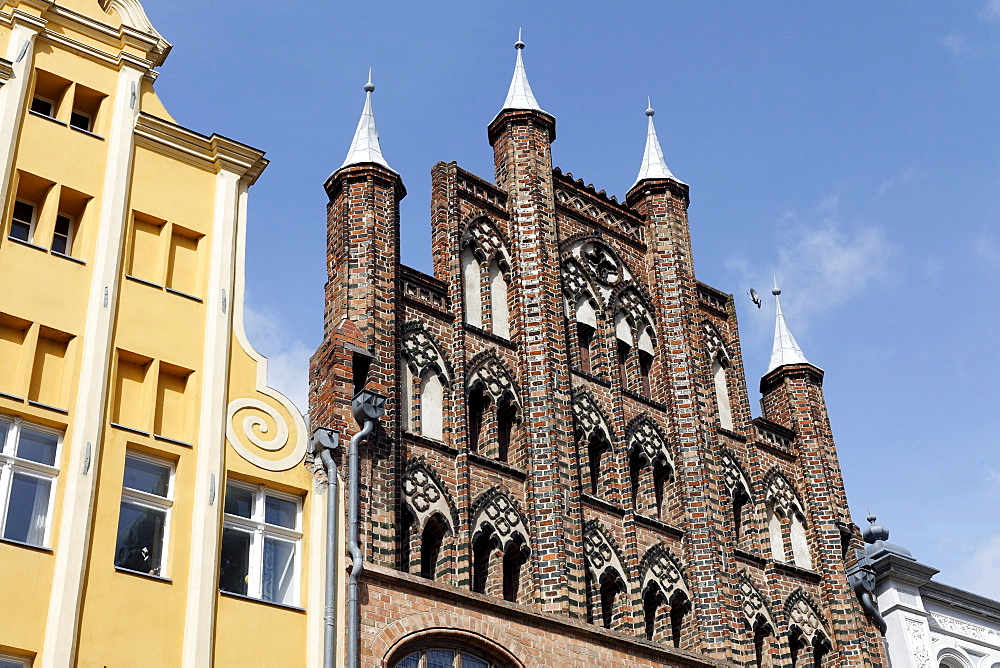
852,149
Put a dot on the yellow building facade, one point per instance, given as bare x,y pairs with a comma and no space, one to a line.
154,510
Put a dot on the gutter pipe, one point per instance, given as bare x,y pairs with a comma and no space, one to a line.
358,562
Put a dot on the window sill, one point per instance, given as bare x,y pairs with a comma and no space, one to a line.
11,397
440,446
498,466
36,548
598,502
251,599
48,118
167,439
27,243
806,574
646,400
184,294
496,338
131,430
731,434
86,132
143,281
38,404
659,525
750,557
591,377
148,576
68,257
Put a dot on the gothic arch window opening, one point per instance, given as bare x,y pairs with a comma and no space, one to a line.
499,546
478,405
431,544
486,277
605,577
425,383
786,523
426,523
719,378
651,468
586,330
493,410
634,334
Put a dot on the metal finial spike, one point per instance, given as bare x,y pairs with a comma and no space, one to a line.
369,87
518,44
871,518
649,107
775,291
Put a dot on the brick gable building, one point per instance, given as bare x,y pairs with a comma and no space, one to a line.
568,472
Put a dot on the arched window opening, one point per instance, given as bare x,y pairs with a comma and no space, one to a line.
636,463
472,275
406,522
609,592
800,543
478,403
661,476
722,393
774,522
506,416
679,607
452,656
482,551
499,312
796,644
821,647
405,411
652,601
739,502
596,450
430,546
585,339
432,406
646,362
514,559
623,352
761,632
588,583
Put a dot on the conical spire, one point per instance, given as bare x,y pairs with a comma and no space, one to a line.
653,164
520,96
785,350
365,147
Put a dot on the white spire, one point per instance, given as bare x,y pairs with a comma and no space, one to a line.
365,147
785,350
653,164
520,96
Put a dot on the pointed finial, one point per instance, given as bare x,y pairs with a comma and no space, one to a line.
874,533
653,165
786,349
519,95
365,147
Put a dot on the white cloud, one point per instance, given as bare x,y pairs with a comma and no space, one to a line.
287,356
904,178
821,263
954,42
987,250
980,574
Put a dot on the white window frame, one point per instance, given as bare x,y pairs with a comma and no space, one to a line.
31,224
259,530
19,660
43,99
89,117
11,463
70,233
152,502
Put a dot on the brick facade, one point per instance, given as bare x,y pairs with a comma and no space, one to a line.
579,505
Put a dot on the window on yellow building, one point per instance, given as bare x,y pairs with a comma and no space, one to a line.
261,537
49,94
11,661
144,519
28,469
22,225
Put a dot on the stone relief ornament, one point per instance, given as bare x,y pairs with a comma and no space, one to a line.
646,438
734,480
495,379
781,495
918,643
802,615
588,416
255,432
600,553
498,513
964,628
421,351
424,496
660,568
753,603
574,283
483,235
601,263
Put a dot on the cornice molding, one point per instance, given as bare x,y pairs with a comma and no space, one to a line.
6,71
212,153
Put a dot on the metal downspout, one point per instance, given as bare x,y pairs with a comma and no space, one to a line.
358,562
332,533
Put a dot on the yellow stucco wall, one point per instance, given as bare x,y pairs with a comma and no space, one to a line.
144,377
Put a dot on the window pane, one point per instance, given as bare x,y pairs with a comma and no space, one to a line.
20,230
4,428
5,663
79,121
40,106
147,476
37,446
412,661
239,501
28,509
140,538
469,661
23,212
279,512
234,568
279,571
440,658
59,244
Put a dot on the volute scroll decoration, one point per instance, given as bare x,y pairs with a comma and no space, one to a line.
253,426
